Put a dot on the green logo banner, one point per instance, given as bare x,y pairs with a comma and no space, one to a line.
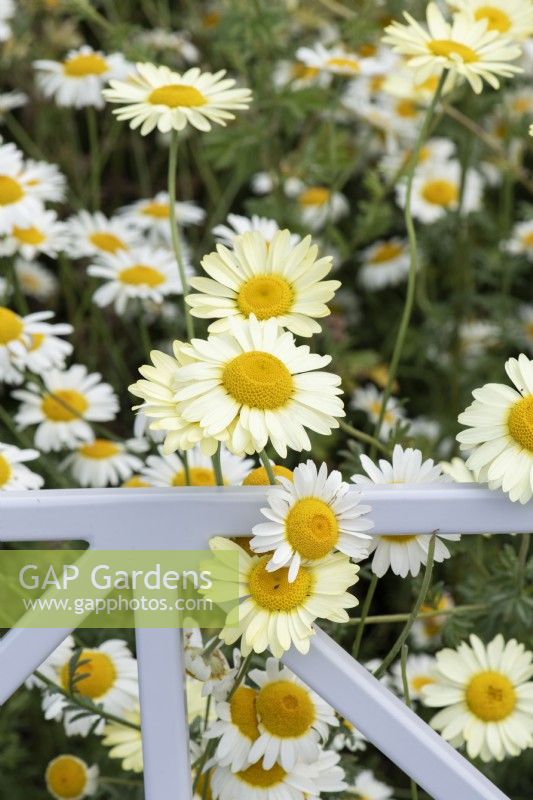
117,589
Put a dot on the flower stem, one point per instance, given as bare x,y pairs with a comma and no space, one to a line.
176,238
413,249
402,638
361,436
217,466
407,699
364,613
390,619
94,150
265,461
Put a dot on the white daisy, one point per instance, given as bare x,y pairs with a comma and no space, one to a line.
426,632
330,776
317,205
70,778
157,97
298,75
462,46
46,349
500,431
436,150
53,664
310,515
78,80
476,336
9,101
366,787
270,279
178,42
274,613
152,215
402,554
385,263
139,274
35,280
170,469
521,241
525,331
19,197
348,737
46,180
236,728
7,11
487,697
17,336
370,400
437,190
95,234
125,742
457,470
292,719
256,783
236,225
337,61
519,102
420,671
63,410
104,462
254,385
14,475
514,18
45,235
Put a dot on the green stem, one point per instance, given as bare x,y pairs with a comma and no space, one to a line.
402,638
407,699
366,438
176,238
211,647
364,613
19,134
217,466
265,461
186,469
94,151
387,619
413,249
522,560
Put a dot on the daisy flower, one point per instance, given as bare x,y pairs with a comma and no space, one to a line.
436,150
297,75
157,390
18,335
169,469
158,97
124,742
46,235
259,476
53,663
9,101
95,235
292,719
317,205
370,400
310,515
108,677
463,46
213,670
35,280
519,102
78,80
476,336
521,241
70,778
487,697
426,632
151,216
437,190
46,349
337,61
178,42
19,197
385,263
402,554
14,475
457,470
7,11
348,738
525,332
254,385
142,273
500,431
63,410
256,783
420,671
47,181
236,225
104,462
236,728
270,279
274,613
366,787
330,776
514,18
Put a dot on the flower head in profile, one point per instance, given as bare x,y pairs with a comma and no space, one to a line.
486,697
513,18
464,46
70,778
168,469
156,97
105,462
311,515
271,279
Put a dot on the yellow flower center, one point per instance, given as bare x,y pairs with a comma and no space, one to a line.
367,50
159,210
301,71
10,190
135,482
497,20
11,325
429,85
257,776
440,192
311,528
211,19
386,252
176,95
259,477
521,105
520,422
28,235
199,476
258,380
5,470
83,65
243,712
398,539
272,590
99,449
64,405
314,196
99,671
448,48
527,239
376,83
141,275
107,242
490,696
406,108
265,296
37,340
285,709
419,681
348,64
66,776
